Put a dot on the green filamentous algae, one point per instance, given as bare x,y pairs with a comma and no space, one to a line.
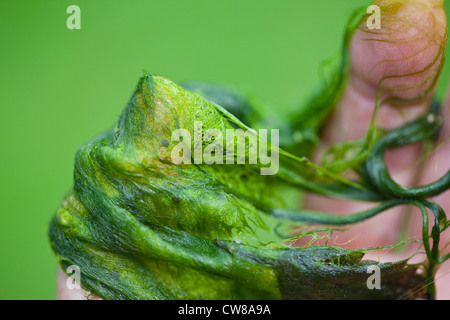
141,227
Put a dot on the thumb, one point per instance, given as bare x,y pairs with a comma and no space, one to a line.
394,68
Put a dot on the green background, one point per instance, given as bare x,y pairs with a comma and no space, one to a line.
60,87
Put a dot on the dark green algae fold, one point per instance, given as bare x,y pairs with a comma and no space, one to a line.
141,227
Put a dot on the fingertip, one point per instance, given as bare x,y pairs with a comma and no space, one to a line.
402,59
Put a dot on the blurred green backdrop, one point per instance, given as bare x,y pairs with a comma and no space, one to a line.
60,87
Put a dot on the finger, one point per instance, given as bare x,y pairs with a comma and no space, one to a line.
394,68
399,63
63,292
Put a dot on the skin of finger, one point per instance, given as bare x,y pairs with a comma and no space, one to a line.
402,58
63,292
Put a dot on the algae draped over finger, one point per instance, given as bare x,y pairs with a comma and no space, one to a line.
140,227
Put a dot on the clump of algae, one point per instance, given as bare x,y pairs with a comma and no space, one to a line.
142,227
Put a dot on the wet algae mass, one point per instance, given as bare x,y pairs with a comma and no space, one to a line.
141,227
